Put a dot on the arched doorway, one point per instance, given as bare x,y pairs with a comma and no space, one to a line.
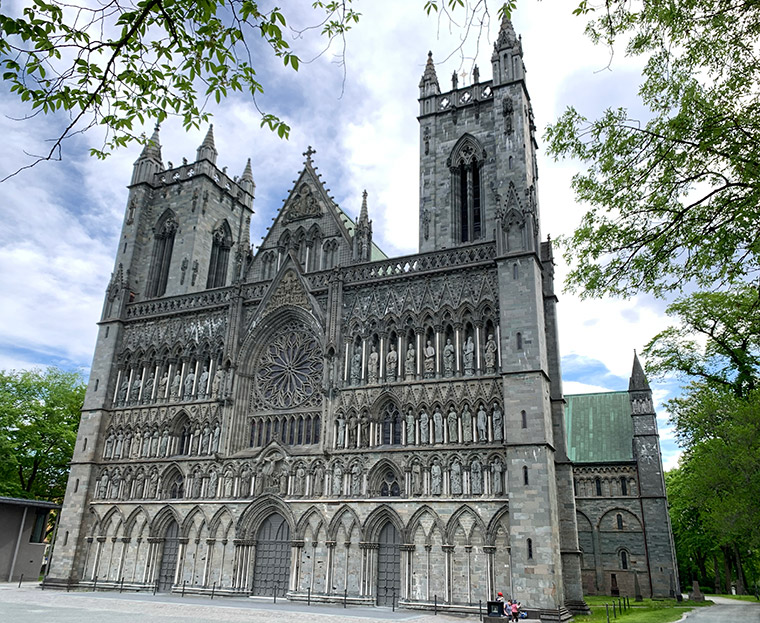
271,571
388,565
169,557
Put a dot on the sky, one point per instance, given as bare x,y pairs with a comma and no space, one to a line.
60,221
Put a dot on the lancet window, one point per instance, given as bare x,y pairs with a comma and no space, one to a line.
466,165
220,256
166,228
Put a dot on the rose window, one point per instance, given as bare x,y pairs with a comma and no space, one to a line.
289,370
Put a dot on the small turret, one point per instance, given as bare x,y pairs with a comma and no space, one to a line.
246,180
507,55
149,163
429,81
363,234
207,150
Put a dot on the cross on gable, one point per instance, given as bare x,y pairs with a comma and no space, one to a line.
308,153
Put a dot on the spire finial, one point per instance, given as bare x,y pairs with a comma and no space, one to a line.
429,77
207,150
363,216
308,153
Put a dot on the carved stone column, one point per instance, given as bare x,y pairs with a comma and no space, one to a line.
448,552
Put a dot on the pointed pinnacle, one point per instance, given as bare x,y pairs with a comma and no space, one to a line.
429,74
507,36
153,146
209,140
638,379
248,172
363,217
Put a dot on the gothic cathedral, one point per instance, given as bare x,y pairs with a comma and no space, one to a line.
316,419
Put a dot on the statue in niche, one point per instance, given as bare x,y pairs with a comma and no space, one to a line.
115,485
213,483
139,486
409,363
466,425
258,484
127,445
228,482
154,444
217,384
136,443
416,479
353,429
203,383
435,478
448,358
364,423
123,390
119,445
205,439
103,486
341,439
372,365
196,489
195,441
300,480
337,481
410,428
482,424
145,444
162,384
176,384
318,481
127,494
245,482
490,355
456,478
424,428
215,439
498,423
134,393
469,357
189,382
163,447
108,451
356,366
496,477
476,477
437,426
148,388
391,363
429,360
356,480
453,424
152,486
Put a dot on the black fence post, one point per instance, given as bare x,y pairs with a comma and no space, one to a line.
480,608
607,607
213,590
308,596
21,579
435,604
121,585
95,584
184,583
345,597
393,600
155,586
275,593
614,610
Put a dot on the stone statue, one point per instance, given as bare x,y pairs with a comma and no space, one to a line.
115,485
469,357
456,478
139,485
300,480
127,493
424,428
196,490
391,363
103,487
341,438
217,384
176,384
145,444
213,482
119,445
162,384
195,441
410,428
356,480
189,382
453,425
134,393
205,439
337,481
147,394
364,423
108,451
498,423
127,445
318,481
215,439
482,424
448,358
154,444
152,486
245,482
496,478
203,383
476,477
435,478
353,429
356,366
410,362
437,426
429,360
163,447
490,354
466,425
372,365
228,482
416,479
123,390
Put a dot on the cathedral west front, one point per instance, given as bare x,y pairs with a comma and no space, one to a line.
317,420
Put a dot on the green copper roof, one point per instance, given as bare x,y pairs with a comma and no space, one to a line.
599,427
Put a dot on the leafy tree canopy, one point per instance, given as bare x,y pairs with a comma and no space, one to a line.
39,417
673,199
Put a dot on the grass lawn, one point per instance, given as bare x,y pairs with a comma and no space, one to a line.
646,611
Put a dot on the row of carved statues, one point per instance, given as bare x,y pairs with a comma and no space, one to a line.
473,476
133,390
150,442
421,429
423,364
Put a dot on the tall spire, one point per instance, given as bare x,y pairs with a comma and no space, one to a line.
207,150
149,162
246,180
363,217
429,81
507,37
638,379
152,148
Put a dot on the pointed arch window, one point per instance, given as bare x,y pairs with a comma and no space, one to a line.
391,425
220,256
466,165
165,230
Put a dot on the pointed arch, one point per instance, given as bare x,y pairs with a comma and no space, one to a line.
162,519
190,518
500,521
455,520
338,520
466,165
163,245
255,513
416,521
385,479
377,520
221,243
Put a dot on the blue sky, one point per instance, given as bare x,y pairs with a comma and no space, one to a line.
61,220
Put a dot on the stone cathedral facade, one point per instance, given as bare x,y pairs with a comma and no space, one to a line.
316,419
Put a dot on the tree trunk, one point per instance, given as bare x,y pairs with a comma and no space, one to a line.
740,580
701,567
727,567
718,587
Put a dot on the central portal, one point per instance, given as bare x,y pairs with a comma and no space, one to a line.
271,571
388,565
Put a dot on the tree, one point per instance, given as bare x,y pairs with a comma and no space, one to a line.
673,199
39,418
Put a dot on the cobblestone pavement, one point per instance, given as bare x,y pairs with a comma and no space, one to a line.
29,604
